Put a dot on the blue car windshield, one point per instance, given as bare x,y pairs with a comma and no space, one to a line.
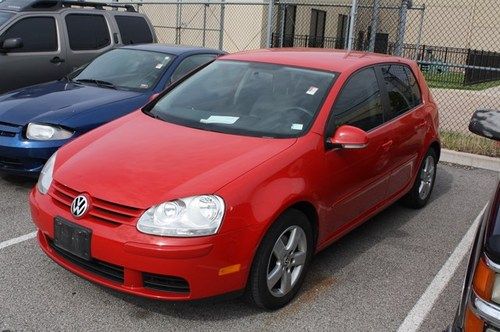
127,69
4,17
247,98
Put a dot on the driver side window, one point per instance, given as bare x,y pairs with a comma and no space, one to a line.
39,34
359,103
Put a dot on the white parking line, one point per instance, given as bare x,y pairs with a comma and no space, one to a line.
17,240
426,302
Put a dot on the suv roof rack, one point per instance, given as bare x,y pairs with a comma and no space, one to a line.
39,5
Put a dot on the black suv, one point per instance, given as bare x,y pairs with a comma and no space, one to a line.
43,40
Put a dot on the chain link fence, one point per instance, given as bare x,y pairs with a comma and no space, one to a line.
456,43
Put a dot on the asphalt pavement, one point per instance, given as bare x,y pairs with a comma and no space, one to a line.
368,281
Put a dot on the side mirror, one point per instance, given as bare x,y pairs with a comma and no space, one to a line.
486,123
11,44
348,137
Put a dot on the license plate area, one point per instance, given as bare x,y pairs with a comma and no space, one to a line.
72,238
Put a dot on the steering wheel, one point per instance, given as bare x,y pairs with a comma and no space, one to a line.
300,109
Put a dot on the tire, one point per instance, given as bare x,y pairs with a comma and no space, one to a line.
421,191
286,267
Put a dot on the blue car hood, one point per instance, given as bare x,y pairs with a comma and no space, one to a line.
55,102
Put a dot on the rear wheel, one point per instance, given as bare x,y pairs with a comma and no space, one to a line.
281,261
424,183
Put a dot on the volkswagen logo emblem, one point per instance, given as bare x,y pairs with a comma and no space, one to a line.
80,206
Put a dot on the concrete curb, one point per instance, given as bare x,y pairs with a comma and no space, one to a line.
471,160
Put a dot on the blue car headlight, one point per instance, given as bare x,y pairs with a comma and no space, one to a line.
40,132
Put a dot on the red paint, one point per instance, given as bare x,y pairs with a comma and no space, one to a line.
138,162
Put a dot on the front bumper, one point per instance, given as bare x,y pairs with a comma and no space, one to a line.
25,158
151,266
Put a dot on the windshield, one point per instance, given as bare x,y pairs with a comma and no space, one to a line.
247,98
4,17
126,69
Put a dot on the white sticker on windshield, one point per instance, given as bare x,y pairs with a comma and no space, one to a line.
158,66
312,90
297,126
220,119
144,86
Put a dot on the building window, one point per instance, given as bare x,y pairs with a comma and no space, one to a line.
317,29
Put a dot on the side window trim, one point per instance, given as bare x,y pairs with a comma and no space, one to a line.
16,19
330,124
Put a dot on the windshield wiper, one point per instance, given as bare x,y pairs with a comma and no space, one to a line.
99,83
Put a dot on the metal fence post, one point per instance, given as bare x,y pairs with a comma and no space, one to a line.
352,24
398,49
221,31
420,28
269,23
282,28
178,22
205,23
375,15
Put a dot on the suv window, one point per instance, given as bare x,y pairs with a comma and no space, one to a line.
359,103
4,17
134,30
87,32
39,34
191,63
402,89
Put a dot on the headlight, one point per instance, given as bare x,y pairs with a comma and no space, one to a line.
40,132
191,216
45,179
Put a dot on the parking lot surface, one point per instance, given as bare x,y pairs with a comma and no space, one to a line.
368,281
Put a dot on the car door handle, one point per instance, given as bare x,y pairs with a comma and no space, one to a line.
387,145
57,59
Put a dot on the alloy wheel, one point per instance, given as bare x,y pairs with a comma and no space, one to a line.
287,260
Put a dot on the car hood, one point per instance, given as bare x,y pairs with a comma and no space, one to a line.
139,161
55,101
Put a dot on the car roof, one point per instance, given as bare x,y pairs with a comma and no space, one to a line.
172,49
316,58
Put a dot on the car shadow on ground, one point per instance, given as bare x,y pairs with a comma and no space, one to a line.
321,275
19,181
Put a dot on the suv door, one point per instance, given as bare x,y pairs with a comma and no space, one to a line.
357,185
88,36
40,59
405,116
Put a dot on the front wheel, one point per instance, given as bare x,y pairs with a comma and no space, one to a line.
424,183
281,261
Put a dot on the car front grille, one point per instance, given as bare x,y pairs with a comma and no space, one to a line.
100,210
105,270
7,134
116,273
10,162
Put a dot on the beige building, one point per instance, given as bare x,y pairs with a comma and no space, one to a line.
234,26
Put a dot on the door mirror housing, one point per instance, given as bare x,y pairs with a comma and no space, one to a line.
348,137
11,44
486,123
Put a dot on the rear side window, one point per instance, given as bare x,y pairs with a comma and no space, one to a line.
87,32
359,103
402,89
191,63
134,30
39,34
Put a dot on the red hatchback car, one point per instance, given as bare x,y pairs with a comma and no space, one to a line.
236,175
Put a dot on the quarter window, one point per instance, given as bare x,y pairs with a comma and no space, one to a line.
87,32
134,30
402,89
359,103
39,34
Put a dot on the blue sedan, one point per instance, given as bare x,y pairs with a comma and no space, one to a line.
36,121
